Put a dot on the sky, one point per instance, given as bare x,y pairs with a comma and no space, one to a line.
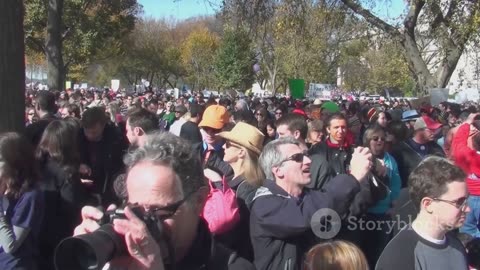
183,9
179,9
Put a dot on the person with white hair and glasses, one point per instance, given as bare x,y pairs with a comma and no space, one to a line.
283,206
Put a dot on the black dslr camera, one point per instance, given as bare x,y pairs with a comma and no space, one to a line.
92,251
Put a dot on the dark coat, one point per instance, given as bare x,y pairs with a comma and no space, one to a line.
207,254
64,197
280,224
35,131
408,159
108,163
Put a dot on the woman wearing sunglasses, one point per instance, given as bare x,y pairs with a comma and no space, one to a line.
389,181
242,149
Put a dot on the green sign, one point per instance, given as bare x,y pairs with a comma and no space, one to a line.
297,88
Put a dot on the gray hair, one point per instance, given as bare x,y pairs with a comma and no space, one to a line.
164,148
243,104
271,155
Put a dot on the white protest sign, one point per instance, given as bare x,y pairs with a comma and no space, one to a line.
115,85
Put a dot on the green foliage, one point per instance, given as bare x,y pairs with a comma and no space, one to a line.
235,60
198,57
91,27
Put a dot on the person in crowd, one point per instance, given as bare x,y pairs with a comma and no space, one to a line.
127,103
243,145
21,204
332,156
261,115
45,109
374,241
335,255
283,206
64,193
140,122
269,131
101,149
469,160
241,105
169,116
280,111
31,117
315,132
293,125
439,192
180,111
151,105
72,110
409,118
214,119
165,178
189,129
411,152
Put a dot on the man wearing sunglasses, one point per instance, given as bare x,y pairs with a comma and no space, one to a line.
165,179
283,206
438,189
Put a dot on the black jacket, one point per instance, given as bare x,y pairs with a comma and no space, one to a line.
105,158
64,197
35,131
207,254
408,159
280,224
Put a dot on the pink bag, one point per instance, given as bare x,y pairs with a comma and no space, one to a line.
221,209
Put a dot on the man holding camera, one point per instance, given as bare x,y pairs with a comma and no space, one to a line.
164,181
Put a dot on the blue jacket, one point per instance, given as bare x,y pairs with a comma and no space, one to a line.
395,184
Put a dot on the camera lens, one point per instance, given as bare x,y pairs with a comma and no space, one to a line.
89,251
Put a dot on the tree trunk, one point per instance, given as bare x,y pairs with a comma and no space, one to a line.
53,45
12,66
423,76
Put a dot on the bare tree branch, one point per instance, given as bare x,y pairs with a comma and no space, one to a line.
371,18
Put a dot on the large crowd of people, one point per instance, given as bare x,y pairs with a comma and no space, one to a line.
236,183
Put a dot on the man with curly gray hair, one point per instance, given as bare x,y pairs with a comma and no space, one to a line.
165,178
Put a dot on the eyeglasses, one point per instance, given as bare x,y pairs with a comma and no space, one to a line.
460,204
298,157
376,139
278,112
258,114
164,212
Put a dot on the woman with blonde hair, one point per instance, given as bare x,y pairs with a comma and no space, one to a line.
243,145
335,255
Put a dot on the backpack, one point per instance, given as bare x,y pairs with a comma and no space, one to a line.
221,209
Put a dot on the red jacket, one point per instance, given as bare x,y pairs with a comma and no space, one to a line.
467,158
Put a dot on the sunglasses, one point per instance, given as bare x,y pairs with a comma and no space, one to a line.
278,112
376,139
162,213
459,203
298,157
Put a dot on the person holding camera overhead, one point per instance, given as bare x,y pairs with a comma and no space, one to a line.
165,183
